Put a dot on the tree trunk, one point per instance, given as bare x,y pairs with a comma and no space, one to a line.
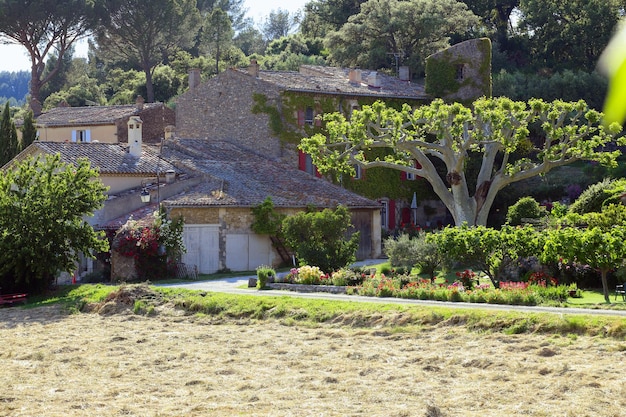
149,85
605,285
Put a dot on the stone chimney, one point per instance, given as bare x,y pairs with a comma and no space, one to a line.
194,78
134,136
404,73
355,76
139,102
374,80
169,132
253,68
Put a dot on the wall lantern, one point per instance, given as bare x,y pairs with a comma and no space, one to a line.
145,195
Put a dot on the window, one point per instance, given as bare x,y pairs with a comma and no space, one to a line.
81,135
305,163
358,172
309,116
384,214
460,72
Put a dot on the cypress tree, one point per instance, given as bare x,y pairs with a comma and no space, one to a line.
8,137
29,131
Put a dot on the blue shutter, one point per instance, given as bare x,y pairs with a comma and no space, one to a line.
73,136
88,135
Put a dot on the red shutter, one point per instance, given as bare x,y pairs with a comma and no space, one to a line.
418,166
406,215
301,161
402,176
317,173
392,214
301,118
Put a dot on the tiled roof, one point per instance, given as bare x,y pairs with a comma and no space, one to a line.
108,158
333,80
238,178
90,115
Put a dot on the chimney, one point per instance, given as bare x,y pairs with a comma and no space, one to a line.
170,176
253,68
194,78
403,73
169,132
139,102
355,76
374,80
134,136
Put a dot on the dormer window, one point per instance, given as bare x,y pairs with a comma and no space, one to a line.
460,72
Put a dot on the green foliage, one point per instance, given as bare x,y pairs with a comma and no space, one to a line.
43,207
263,274
491,130
525,208
568,85
418,251
319,238
597,195
9,146
485,249
417,29
598,248
267,221
29,131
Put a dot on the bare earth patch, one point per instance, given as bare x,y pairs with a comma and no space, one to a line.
111,362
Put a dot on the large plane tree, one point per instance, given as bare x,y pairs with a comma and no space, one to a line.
448,135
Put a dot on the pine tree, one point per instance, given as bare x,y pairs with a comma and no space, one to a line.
8,137
29,131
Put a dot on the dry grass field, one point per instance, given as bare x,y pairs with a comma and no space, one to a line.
111,362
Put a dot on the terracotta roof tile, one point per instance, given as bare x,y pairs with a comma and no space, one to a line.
235,177
108,158
90,115
333,80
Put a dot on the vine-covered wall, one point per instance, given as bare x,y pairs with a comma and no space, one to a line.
461,72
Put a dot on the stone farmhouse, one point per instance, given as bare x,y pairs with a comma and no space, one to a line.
268,112
103,124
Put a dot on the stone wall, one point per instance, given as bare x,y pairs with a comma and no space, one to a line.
461,72
154,121
221,109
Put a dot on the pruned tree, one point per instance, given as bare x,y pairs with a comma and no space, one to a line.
29,130
492,130
145,33
43,230
44,27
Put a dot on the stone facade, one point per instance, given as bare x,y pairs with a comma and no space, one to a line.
461,72
221,109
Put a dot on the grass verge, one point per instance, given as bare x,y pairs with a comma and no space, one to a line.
307,312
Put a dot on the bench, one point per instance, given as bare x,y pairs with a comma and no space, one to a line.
620,290
13,298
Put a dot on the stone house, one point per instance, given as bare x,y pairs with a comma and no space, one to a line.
103,124
268,112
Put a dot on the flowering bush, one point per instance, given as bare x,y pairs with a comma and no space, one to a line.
151,244
306,274
468,278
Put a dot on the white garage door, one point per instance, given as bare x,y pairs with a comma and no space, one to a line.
202,244
246,252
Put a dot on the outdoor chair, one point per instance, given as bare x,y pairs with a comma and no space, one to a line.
620,290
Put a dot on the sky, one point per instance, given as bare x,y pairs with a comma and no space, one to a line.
14,57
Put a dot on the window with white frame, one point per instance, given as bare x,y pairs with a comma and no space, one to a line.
309,116
358,172
81,135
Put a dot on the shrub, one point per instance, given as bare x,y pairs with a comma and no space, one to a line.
310,275
401,251
406,252
595,196
263,274
525,208
319,238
